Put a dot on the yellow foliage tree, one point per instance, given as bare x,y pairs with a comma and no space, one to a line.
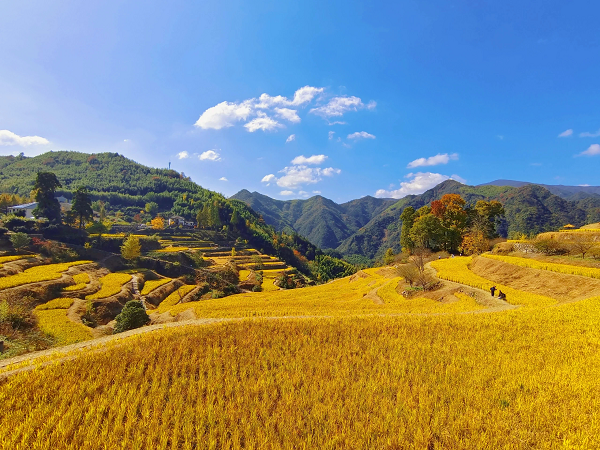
158,223
131,248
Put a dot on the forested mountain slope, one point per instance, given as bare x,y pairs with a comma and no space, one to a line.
529,209
324,222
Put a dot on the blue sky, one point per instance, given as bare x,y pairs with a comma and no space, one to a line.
381,98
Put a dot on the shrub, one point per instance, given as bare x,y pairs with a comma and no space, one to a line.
549,247
217,294
19,240
132,316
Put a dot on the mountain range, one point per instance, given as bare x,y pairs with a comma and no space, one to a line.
368,226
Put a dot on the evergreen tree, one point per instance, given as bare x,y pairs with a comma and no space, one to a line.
45,187
82,206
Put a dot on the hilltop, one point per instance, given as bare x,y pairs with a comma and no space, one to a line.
530,209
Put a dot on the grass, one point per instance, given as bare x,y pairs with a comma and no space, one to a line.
150,285
111,284
520,379
37,274
81,281
553,267
457,270
173,298
53,320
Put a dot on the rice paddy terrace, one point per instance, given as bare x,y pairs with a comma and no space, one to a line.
360,362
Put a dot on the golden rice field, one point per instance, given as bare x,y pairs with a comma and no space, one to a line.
81,281
520,379
341,297
457,270
5,259
553,267
111,284
53,320
173,298
150,285
37,274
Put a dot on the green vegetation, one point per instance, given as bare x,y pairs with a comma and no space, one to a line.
132,316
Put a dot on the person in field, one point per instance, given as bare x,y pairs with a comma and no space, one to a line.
492,290
501,295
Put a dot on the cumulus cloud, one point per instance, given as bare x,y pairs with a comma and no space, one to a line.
268,179
417,183
288,114
286,193
210,155
314,159
223,179
338,106
296,176
182,155
361,135
10,138
301,96
331,133
433,160
291,137
566,133
592,150
588,134
224,115
262,122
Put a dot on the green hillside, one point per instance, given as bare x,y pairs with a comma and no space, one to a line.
529,209
324,222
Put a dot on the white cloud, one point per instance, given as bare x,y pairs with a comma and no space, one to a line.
210,155
583,185
330,171
288,114
566,133
224,115
331,133
588,134
361,135
433,160
291,137
371,105
317,192
337,122
417,184
10,138
182,155
314,159
268,179
304,193
338,106
223,179
301,96
262,122
592,150
296,176
286,193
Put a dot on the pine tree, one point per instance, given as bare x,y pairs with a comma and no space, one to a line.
82,206
45,186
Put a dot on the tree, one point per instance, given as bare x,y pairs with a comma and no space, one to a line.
450,210
131,248
408,217
581,243
474,242
158,223
133,315
486,215
19,240
45,187
389,257
426,232
151,208
82,206
99,227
